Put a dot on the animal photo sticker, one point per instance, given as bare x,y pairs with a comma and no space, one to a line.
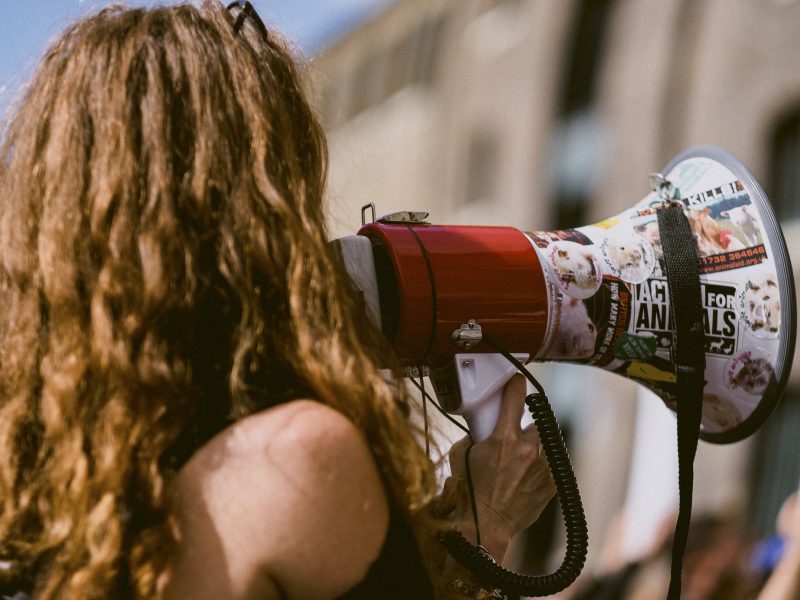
726,227
760,305
650,232
629,256
543,239
720,412
749,373
576,334
744,220
576,267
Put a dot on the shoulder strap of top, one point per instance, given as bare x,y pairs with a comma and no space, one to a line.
398,572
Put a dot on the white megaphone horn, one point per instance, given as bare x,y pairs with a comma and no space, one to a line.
594,295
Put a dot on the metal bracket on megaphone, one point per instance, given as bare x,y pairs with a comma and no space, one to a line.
480,379
467,335
472,385
663,187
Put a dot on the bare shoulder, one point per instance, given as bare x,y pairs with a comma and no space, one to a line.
292,482
312,424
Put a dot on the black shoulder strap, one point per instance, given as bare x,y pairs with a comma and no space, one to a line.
688,358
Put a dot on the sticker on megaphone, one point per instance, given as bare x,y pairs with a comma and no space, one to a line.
609,300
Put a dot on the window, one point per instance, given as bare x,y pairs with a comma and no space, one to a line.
576,159
401,66
584,55
784,178
411,59
482,165
428,50
577,151
331,101
776,463
368,82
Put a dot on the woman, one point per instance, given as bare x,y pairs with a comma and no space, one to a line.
192,405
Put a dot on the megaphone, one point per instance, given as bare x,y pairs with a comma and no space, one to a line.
594,295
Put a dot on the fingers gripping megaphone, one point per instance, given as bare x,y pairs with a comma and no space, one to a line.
594,295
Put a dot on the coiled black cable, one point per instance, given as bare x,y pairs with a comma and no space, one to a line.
487,570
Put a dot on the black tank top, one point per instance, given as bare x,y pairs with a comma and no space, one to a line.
398,572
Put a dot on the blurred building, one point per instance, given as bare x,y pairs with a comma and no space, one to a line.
546,114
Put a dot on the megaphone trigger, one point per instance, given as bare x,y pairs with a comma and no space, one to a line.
481,379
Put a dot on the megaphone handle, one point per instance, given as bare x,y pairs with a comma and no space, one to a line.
473,408
482,419
481,379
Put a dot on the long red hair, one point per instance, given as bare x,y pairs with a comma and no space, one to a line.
165,271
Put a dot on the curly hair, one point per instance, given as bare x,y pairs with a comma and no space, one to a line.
165,271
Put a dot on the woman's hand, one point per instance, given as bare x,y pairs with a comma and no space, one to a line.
510,475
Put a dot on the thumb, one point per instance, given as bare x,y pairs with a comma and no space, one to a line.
457,454
512,406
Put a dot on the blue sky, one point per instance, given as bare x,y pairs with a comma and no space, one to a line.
26,26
